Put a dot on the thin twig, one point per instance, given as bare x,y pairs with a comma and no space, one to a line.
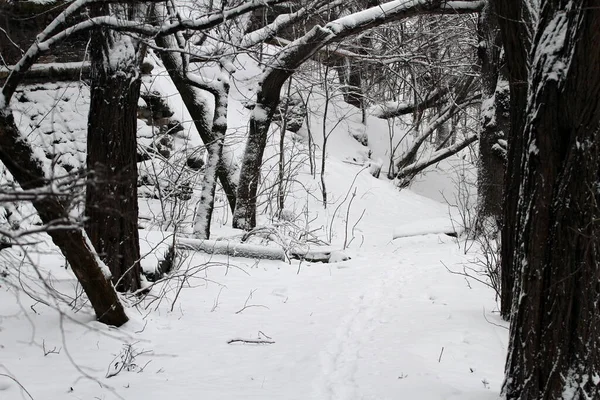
250,341
18,383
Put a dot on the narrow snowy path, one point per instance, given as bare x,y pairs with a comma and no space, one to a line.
412,330
343,356
391,323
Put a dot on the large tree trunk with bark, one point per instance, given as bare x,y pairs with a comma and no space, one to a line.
268,95
111,207
515,22
554,349
18,156
494,120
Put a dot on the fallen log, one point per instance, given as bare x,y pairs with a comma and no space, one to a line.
52,72
59,72
246,250
426,231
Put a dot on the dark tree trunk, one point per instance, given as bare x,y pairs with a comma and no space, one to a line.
495,123
244,216
514,22
18,156
554,349
111,196
267,99
350,76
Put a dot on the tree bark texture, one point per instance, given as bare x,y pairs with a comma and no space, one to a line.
268,95
514,22
494,123
18,156
214,160
111,195
554,349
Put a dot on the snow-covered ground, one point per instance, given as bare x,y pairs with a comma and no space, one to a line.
390,323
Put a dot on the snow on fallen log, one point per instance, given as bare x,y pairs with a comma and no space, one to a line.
233,249
69,71
432,226
323,254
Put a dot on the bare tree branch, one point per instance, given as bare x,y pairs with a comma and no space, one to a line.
406,174
395,109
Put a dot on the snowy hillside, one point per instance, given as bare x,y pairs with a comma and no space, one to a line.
390,322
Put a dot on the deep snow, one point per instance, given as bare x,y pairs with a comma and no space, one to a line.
390,323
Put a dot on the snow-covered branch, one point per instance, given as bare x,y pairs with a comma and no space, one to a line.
48,39
394,109
352,24
462,100
406,174
70,71
284,20
397,10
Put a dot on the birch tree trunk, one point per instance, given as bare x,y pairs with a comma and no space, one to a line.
554,348
214,149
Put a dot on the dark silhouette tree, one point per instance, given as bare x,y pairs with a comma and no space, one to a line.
111,206
515,22
494,121
554,349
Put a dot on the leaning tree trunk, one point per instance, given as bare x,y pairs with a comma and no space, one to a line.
494,120
111,205
554,348
18,156
514,22
267,99
244,216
